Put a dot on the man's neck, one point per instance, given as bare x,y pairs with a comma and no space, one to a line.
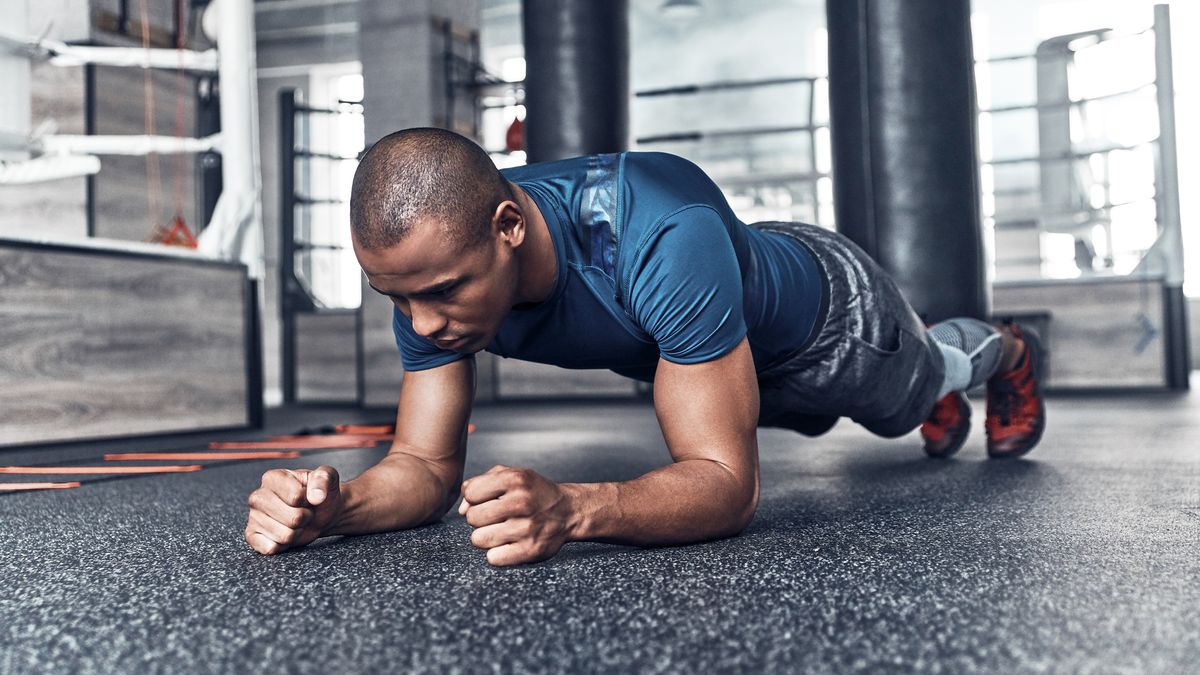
539,262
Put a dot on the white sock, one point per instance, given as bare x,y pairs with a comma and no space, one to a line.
958,370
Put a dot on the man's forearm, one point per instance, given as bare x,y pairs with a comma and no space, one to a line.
397,493
684,502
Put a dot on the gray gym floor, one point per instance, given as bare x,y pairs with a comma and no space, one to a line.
864,556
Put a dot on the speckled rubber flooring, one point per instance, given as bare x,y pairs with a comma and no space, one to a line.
864,556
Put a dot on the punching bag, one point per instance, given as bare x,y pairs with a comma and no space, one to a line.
576,77
905,166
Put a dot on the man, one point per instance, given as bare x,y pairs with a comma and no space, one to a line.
632,262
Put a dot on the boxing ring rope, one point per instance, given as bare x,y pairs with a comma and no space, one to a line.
807,179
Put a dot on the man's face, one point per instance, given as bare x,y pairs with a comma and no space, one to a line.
455,296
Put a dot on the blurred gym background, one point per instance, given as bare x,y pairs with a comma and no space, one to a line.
120,316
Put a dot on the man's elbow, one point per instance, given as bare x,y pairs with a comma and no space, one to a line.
743,501
438,496
746,510
449,499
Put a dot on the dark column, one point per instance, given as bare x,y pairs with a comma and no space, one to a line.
906,184
576,77
208,164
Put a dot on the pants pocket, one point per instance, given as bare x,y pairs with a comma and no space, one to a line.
874,379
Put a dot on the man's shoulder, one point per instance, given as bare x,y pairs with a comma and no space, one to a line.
542,170
669,190
644,161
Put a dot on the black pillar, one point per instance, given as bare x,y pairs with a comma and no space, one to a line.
903,127
576,77
208,164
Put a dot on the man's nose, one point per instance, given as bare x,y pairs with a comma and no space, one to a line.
426,323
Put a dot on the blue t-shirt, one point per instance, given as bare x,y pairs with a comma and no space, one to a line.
652,263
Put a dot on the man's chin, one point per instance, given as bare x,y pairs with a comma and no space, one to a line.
468,345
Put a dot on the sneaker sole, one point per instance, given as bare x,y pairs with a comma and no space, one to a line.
964,411
1034,344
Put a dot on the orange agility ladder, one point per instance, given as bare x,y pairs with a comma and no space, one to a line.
54,470
194,456
308,442
38,486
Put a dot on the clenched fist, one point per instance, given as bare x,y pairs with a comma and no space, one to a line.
292,508
519,515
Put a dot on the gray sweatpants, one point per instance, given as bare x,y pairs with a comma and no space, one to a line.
871,361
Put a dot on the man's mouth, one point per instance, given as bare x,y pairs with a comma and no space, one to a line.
451,343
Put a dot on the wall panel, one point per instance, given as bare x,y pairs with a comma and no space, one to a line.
99,342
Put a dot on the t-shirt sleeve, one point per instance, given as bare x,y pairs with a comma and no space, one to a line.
416,352
686,287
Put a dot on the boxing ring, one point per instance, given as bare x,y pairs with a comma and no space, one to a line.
111,338
1088,242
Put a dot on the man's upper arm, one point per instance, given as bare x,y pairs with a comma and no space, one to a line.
685,287
709,411
431,421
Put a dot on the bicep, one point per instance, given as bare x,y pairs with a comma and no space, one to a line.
709,410
431,420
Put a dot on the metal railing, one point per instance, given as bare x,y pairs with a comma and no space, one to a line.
1066,178
731,158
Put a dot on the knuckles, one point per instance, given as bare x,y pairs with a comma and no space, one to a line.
508,478
523,528
256,543
286,487
474,518
296,521
521,503
520,478
517,510
517,555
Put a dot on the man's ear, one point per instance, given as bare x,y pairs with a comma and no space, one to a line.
509,223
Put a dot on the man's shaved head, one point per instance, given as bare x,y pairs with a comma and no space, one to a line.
421,173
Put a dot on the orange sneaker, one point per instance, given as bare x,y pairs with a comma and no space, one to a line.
947,427
1016,413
